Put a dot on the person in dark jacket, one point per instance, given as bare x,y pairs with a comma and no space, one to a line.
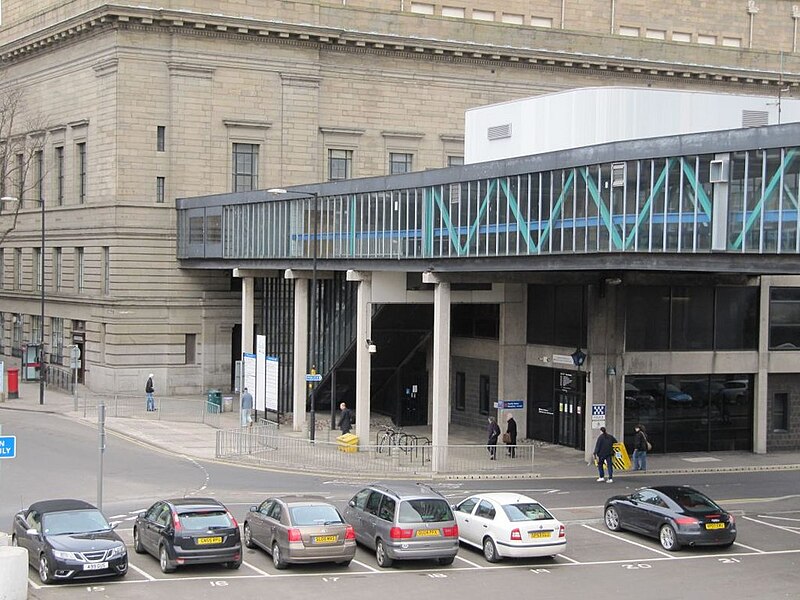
511,432
640,449
493,431
603,452
346,420
149,388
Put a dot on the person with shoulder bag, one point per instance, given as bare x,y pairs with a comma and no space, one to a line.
640,447
510,436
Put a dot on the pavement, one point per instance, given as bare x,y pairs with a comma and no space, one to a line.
178,428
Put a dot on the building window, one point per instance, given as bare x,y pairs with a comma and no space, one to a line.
557,315
461,390
514,19
2,333
629,31
38,159
732,42
59,175
81,168
455,12
455,161
245,167
36,275
2,268
707,39
784,318
476,320
400,162
484,395
542,22
16,335
422,8
161,138
106,270
190,349
780,412
57,269
655,34
79,266
681,36
20,176
17,268
57,340
483,15
160,187
340,164
36,328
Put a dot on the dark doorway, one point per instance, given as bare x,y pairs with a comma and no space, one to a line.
556,400
236,351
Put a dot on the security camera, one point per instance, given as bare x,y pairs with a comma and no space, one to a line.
371,348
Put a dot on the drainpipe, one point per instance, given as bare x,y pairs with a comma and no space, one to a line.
613,14
752,10
563,13
795,17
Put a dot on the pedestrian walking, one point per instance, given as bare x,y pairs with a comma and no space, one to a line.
603,453
640,447
510,436
346,420
246,408
149,390
493,431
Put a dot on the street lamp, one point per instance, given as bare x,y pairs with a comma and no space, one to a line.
41,287
312,419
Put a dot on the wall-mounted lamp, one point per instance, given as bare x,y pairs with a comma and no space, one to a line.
578,357
611,370
371,348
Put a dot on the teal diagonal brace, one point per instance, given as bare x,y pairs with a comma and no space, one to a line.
454,238
648,205
427,224
353,222
605,214
481,211
774,182
700,193
521,223
556,209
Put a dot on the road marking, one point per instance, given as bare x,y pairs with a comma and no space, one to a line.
119,516
787,529
748,547
256,569
778,518
141,572
572,560
366,566
622,539
34,585
469,562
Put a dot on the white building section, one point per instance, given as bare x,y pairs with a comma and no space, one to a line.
589,116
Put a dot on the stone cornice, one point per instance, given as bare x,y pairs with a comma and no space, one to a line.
239,123
113,16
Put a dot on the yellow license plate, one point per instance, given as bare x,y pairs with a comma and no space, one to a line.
324,539
715,525
208,541
427,532
539,534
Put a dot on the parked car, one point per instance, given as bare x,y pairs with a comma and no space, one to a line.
509,525
185,531
675,394
300,529
636,398
68,540
404,521
736,391
676,515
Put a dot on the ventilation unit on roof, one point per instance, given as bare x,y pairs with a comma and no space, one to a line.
755,118
498,132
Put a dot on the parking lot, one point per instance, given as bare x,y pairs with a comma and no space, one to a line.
763,536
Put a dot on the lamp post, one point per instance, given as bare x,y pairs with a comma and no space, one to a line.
42,298
312,419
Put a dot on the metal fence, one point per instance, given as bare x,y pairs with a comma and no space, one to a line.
266,445
170,409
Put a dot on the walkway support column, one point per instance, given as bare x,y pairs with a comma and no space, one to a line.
363,333
300,355
512,365
248,301
440,424
761,383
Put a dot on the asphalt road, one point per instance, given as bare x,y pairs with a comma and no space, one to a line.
58,457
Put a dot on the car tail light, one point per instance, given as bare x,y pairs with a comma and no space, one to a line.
562,532
176,522
350,533
450,531
235,524
400,534
516,535
686,521
295,536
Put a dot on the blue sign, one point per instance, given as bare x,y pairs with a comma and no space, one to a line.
514,404
315,377
8,446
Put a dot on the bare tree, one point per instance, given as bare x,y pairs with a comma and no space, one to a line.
22,170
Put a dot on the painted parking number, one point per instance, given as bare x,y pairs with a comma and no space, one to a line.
218,583
637,566
539,571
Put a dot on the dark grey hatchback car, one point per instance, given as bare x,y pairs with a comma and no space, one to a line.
187,531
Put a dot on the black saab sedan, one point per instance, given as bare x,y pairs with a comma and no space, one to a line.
69,539
185,531
676,515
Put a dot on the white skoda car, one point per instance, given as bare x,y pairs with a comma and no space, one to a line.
508,525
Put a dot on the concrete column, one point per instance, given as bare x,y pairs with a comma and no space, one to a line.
440,423
248,299
761,383
300,357
363,333
512,382
13,573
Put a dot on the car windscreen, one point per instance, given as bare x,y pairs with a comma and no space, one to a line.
74,521
424,511
526,511
201,520
693,501
314,515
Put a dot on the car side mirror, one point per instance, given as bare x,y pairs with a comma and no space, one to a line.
32,531
253,509
352,503
113,525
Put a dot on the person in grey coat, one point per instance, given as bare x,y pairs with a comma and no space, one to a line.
246,408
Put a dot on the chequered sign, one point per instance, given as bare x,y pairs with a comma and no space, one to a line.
598,412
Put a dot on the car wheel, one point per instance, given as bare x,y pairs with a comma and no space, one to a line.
234,564
248,536
446,561
277,557
163,560
384,562
612,519
137,542
668,539
490,550
45,572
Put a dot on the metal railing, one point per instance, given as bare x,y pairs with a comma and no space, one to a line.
169,409
265,445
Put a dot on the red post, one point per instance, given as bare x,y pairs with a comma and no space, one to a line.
13,383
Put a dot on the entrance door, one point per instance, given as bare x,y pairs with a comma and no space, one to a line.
556,401
569,400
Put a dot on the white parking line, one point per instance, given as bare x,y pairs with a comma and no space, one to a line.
366,566
256,569
748,547
622,539
34,585
469,562
788,529
779,518
572,560
142,573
